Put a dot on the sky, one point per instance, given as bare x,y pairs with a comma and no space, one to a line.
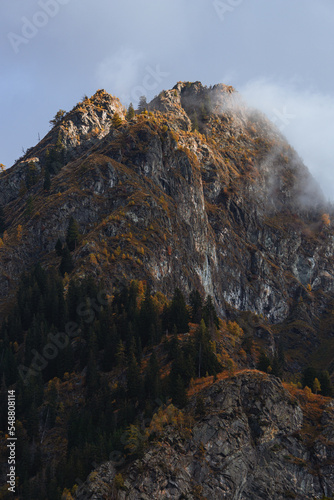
277,53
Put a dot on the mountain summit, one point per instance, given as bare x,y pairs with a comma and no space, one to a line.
192,195
196,177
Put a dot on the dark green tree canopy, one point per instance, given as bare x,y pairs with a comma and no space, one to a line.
131,112
142,106
2,221
72,235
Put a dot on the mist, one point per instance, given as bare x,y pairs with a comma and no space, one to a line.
305,118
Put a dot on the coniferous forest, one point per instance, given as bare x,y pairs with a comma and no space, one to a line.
61,341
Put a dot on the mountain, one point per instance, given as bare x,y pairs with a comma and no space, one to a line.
151,195
198,192
251,441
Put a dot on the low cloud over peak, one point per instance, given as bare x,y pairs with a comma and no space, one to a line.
305,117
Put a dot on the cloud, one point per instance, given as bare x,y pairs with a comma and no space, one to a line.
305,117
119,73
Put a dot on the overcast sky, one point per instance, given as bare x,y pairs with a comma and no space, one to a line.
277,53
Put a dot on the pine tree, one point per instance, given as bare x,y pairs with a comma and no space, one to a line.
31,177
209,313
55,157
178,312
59,248
2,221
66,265
120,354
308,376
47,180
133,379
148,320
263,363
326,384
179,394
131,112
152,378
92,377
142,106
72,236
196,306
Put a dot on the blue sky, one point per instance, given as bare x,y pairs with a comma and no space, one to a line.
277,53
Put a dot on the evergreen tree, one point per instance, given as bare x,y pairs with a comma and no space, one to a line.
196,306
276,366
178,313
66,265
206,361
152,378
308,377
2,221
72,235
31,177
92,376
148,321
263,363
142,106
173,345
133,379
179,393
326,384
55,156
209,313
47,180
120,354
59,248
131,112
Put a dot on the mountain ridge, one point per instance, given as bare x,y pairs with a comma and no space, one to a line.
194,195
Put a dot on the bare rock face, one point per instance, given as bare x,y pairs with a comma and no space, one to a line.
197,192
249,445
199,179
90,121
87,123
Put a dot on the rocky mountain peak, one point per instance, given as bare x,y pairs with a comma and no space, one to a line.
210,176
128,225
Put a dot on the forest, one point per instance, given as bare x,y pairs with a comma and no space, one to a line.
88,368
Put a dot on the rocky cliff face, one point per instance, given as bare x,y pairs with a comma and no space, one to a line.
254,442
198,179
196,192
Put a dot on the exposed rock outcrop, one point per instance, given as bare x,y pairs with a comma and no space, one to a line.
251,444
150,196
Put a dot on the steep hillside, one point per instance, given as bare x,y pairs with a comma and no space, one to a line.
151,262
251,441
199,178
